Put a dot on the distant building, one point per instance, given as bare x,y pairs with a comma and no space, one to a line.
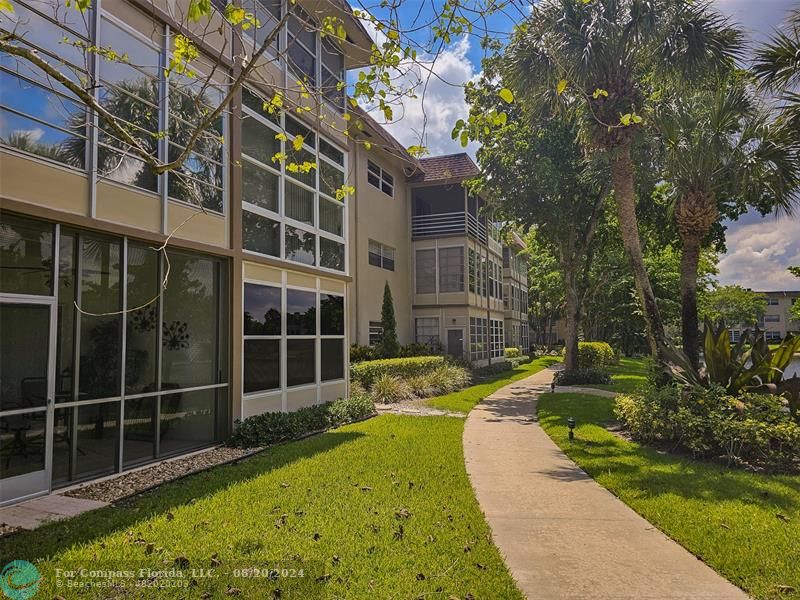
777,320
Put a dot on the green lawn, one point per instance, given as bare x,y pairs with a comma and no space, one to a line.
464,400
353,508
745,525
627,376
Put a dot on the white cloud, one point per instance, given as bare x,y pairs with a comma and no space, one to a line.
759,253
428,119
33,135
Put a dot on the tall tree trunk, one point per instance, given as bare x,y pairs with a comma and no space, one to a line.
690,258
570,316
695,213
625,196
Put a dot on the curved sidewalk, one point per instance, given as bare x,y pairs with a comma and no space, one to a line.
563,535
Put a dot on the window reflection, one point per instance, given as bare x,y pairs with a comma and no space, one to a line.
190,327
26,256
300,362
262,310
301,312
142,320
101,333
300,246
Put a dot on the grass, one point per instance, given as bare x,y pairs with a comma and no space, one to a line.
464,400
626,376
348,507
745,525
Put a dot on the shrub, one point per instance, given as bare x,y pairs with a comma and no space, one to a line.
362,353
449,378
648,417
415,349
582,376
752,428
594,355
365,373
275,427
512,352
493,369
422,386
389,389
519,360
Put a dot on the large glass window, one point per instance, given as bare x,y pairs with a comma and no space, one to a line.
302,46
142,319
262,309
262,337
427,331
300,362
304,187
260,234
110,298
36,113
262,365
130,91
301,312
332,359
426,271
190,328
451,270
26,256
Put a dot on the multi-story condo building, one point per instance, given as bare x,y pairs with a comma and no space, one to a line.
113,353
415,226
515,295
778,320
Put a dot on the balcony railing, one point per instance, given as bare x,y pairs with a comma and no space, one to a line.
452,223
437,225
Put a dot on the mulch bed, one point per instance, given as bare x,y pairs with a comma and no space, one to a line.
135,482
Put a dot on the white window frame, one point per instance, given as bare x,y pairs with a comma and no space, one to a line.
381,174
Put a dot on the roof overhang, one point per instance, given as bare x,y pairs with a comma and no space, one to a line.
358,45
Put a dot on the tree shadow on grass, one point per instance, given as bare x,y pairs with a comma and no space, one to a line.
655,473
53,538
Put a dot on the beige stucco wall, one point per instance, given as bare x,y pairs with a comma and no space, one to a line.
374,215
42,183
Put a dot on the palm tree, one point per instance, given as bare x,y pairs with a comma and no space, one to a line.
777,65
722,154
601,60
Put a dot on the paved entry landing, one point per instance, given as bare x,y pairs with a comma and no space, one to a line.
32,513
563,536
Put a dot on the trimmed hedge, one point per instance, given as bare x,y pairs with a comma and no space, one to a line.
519,360
365,373
594,355
582,376
512,352
275,427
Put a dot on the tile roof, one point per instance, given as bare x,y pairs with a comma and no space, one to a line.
391,145
447,167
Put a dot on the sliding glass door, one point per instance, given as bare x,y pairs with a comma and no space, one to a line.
26,393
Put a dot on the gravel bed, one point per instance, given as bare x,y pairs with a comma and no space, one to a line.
134,482
416,408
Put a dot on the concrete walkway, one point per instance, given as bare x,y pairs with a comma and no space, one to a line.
562,534
30,514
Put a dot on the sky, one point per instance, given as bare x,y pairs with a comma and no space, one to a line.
759,249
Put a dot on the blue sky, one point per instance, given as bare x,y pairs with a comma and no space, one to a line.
759,249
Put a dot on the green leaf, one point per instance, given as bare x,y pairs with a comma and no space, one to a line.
507,95
625,119
599,92
464,138
6,6
199,9
561,86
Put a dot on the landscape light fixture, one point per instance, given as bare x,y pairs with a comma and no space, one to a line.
571,425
